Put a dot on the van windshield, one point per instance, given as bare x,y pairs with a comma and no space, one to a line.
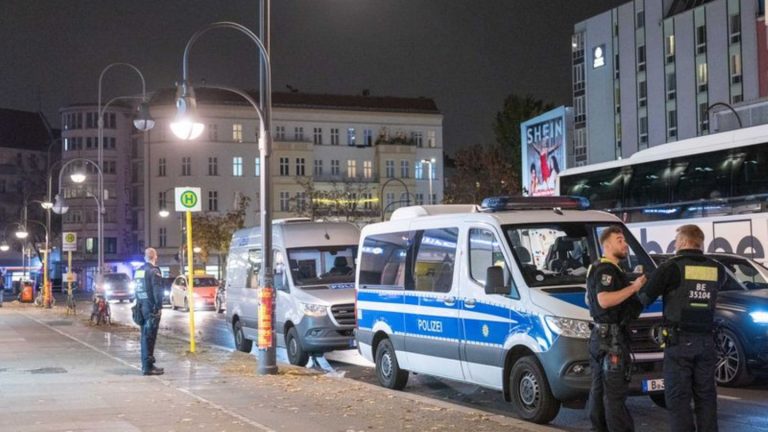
560,253
323,267
117,277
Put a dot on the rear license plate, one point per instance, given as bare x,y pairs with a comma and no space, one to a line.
353,343
653,385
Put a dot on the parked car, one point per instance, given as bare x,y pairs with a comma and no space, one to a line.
742,317
204,292
118,286
167,282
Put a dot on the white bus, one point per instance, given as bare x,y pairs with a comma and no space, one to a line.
719,182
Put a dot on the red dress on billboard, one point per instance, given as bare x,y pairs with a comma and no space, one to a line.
544,165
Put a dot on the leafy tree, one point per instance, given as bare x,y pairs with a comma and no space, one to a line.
336,200
517,109
481,171
213,233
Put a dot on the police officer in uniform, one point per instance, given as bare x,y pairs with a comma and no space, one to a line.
689,283
149,295
612,303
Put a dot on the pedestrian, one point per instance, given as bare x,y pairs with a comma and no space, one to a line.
612,304
689,283
149,295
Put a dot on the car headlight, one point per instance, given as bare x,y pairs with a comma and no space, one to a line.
107,288
167,292
759,317
569,327
314,310
131,286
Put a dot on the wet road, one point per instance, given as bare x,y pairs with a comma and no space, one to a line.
739,409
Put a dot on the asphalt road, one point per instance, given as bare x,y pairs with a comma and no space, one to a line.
740,409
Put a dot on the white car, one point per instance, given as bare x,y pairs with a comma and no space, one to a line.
204,292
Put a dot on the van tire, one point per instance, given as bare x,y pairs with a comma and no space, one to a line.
388,372
296,355
241,342
531,397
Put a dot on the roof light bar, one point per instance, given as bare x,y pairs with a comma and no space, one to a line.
501,203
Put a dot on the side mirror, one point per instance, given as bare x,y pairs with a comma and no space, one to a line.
494,281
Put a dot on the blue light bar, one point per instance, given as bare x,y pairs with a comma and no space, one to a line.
500,203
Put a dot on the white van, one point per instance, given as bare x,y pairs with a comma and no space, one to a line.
314,275
494,296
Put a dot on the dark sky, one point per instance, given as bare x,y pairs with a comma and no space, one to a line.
466,54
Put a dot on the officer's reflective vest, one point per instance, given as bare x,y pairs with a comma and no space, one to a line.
691,307
141,284
610,315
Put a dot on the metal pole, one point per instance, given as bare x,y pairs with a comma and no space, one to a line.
190,284
431,200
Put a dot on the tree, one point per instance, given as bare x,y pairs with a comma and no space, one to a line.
351,201
213,233
517,109
481,171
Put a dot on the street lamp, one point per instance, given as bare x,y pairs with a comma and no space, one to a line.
22,233
4,247
197,249
186,125
186,105
60,206
77,176
431,177
142,122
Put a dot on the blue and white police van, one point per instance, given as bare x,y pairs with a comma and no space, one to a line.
493,295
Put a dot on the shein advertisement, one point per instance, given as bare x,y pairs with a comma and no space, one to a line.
544,140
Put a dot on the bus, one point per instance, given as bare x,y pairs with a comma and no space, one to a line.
718,182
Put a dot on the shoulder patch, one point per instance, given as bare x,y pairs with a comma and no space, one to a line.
606,279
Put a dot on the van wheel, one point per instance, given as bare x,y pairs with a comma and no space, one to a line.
388,372
658,399
531,396
296,355
241,343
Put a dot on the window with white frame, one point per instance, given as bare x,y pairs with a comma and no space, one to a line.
318,167
351,168
186,166
367,169
298,133
390,168
213,132
335,167
300,166
351,137
280,133
389,200
317,136
672,123
237,166
669,48
237,132
734,28
162,240
368,137
213,201
418,170
418,138
702,77
257,167
735,68
405,169
367,199
701,39
334,136
284,169
419,198
301,201
431,140
213,166
285,201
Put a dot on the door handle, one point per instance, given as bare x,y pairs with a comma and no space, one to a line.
470,303
449,301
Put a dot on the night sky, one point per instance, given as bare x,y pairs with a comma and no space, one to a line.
467,55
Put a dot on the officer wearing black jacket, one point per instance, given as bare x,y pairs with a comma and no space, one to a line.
612,304
689,283
149,295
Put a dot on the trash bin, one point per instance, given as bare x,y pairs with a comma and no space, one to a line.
27,292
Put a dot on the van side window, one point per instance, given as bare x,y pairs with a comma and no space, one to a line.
254,268
382,263
435,258
485,251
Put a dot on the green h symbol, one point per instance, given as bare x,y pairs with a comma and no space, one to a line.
188,199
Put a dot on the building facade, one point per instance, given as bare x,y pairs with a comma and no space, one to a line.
651,71
334,157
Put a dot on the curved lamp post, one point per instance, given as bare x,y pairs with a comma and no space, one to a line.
186,126
381,195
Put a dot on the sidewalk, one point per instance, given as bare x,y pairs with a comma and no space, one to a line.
59,374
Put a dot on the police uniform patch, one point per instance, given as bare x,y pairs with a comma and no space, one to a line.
606,279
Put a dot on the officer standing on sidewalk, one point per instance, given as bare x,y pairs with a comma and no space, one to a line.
612,303
689,283
149,294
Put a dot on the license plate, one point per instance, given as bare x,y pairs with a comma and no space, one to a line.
653,385
353,343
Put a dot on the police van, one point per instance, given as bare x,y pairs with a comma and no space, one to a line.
495,296
314,275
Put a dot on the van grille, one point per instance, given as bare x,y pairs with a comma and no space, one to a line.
640,336
344,314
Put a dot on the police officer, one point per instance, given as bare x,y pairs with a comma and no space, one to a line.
612,303
689,283
149,295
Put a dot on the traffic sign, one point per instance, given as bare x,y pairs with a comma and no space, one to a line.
70,277
69,242
188,199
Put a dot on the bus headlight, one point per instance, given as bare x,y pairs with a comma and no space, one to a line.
569,327
314,310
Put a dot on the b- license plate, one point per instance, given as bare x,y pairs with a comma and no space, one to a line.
653,385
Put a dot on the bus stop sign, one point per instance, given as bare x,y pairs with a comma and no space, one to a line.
188,199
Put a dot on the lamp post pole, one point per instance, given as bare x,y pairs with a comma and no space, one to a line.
431,177
143,109
267,360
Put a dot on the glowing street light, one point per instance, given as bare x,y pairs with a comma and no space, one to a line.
186,125
78,176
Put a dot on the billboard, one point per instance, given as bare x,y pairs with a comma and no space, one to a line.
544,141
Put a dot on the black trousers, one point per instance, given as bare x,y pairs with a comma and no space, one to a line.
148,335
689,373
608,394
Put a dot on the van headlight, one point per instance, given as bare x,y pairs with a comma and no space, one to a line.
314,310
131,286
569,327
